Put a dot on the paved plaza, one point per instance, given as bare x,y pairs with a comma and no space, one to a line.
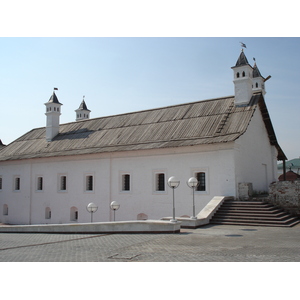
211,243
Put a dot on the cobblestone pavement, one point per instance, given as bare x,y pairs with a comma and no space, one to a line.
211,243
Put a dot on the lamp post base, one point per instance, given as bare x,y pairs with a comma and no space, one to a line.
193,218
173,221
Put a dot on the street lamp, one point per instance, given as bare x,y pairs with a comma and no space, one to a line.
114,206
193,183
91,208
173,183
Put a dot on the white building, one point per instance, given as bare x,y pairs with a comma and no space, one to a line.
50,174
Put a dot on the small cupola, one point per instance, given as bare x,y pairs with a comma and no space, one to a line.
53,111
242,80
82,113
258,80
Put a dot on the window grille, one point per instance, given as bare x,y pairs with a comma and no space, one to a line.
126,182
40,183
63,183
160,182
89,183
201,179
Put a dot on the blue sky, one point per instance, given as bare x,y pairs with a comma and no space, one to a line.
119,75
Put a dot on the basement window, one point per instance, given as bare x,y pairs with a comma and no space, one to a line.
47,213
73,213
5,210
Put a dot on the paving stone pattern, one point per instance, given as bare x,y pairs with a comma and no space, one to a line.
211,243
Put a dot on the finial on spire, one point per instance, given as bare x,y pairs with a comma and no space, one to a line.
243,46
55,89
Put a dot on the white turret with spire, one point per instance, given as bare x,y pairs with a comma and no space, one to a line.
258,80
242,80
82,113
52,113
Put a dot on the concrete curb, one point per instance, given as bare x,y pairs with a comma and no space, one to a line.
147,226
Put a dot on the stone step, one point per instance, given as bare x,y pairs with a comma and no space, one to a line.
286,219
245,223
252,213
254,216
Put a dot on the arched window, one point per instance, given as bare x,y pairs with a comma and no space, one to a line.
47,213
74,213
237,75
244,74
256,85
5,210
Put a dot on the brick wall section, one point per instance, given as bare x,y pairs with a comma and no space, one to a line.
286,194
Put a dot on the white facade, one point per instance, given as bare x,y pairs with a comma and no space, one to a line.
224,166
57,189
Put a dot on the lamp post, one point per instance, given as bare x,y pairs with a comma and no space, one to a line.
91,208
193,183
173,183
114,206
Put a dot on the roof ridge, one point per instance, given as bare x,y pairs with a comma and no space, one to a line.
150,109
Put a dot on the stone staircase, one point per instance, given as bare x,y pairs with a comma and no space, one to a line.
252,213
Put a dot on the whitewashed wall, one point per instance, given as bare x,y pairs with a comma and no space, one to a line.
28,205
255,158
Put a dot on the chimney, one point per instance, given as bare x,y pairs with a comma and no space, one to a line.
52,113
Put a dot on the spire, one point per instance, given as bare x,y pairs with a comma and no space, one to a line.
242,60
256,72
83,106
53,99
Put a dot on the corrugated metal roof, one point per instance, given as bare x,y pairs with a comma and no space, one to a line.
203,122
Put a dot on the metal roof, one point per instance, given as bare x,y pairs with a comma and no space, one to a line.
242,60
83,106
54,99
197,123
256,72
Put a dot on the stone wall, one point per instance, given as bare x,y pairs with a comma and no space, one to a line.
286,194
